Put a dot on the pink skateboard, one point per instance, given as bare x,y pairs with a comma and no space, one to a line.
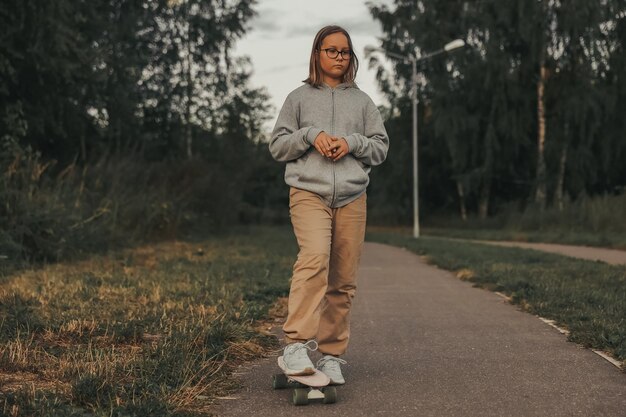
305,387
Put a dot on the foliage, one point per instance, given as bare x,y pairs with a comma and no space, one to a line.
80,79
478,114
94,207
123,121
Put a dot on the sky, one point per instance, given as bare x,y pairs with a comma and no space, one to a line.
280,37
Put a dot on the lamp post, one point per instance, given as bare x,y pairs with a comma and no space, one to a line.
458,43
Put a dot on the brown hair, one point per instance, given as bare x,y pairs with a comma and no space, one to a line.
315,71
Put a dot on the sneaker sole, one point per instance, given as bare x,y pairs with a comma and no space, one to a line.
303,372
336,383
332,381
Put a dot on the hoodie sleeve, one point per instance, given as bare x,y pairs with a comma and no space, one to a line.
371,148
288,142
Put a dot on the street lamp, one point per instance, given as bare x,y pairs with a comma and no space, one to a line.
457,43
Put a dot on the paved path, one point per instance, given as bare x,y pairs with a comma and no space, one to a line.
611,256
425,343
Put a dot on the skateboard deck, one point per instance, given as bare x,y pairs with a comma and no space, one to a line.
305,387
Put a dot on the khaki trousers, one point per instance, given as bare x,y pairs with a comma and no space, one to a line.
323,283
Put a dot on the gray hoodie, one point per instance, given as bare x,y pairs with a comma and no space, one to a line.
343,111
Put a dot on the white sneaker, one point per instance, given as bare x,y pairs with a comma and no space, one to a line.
330,365
297,360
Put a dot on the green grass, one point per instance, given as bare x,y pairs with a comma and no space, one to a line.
592,221
587,298
153,330
607,240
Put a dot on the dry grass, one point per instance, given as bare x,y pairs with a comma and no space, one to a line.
464,274
154,330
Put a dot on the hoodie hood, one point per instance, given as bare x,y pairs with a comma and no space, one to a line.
341,86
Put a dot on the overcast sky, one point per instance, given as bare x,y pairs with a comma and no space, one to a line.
280,38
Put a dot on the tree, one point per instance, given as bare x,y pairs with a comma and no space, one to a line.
45,68
537,69
475,126
187,79
80,78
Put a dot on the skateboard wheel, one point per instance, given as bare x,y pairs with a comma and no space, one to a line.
300,396
330,395
279,381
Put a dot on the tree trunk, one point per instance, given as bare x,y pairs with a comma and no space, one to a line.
83,147
540,191
483,203
559,189
561,176
188,138
460,190
487,171
189,89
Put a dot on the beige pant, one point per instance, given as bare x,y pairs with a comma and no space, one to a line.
324,275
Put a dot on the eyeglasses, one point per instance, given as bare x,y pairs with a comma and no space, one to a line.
332,53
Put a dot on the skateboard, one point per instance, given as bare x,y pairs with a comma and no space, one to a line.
305,387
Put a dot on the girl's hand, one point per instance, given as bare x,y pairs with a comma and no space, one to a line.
339,148
324,144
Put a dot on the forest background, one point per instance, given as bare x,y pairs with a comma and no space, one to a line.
125,121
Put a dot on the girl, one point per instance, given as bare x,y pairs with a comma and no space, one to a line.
330,134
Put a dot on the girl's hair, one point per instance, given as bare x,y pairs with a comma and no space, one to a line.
315,71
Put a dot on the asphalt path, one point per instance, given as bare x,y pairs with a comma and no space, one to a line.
425,343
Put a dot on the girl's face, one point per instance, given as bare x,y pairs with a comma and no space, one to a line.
336,67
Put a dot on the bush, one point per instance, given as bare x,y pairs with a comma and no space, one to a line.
52,213
597,214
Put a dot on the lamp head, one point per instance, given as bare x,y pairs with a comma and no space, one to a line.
457,43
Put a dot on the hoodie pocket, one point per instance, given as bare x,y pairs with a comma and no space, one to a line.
306,159
354,173
315,172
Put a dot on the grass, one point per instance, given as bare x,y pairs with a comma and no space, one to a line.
587,298
158,330
154,330
603,240
606,240
592,221
53,213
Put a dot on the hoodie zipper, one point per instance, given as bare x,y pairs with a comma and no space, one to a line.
332,129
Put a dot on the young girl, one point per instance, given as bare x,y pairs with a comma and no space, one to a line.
330,134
